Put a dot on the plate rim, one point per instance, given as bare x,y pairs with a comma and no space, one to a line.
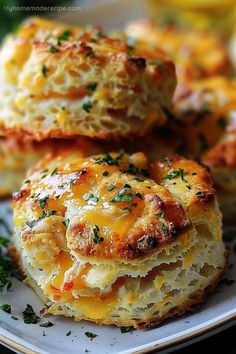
156,347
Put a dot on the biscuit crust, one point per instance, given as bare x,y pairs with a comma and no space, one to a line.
112,239
62,83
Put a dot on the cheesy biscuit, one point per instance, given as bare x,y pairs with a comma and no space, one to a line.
110,239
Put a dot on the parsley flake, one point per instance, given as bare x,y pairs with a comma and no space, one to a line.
46,324
109,160
6,308
87,106
92,87
29,316
53,49
96,238
45,70
164,229
126,329
63,37
90,335
66,223
43,201
68,333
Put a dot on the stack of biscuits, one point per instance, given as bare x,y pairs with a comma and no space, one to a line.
117,219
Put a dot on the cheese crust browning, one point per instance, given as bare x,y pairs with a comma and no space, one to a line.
205,125
59,81
112,239
196,54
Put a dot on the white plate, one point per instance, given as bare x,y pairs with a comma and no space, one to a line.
219,310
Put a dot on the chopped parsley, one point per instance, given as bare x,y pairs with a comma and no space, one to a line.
109,160
105,173
176,173
63,37
138,179
96,238
43,201
133,170
110,187
161,214
92,87
66,222
68,333
6,308
45,70
126,329
200,194
222,123
54,172
29,316
90,335
46,324
90,197
5,283
87,106
45,214
164,229
14,318
123,195
53,49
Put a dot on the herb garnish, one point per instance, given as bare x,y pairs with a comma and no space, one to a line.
46,324
90,197
14,318
110,187
54,172
199,194
66,223
91,87
53,49
96,238
43,201
109,160
45,70
90,335
29,316
133,170
123,195
6,308
138,179
176,173
105,173
45,214
63,37
87,106
164,229
126,329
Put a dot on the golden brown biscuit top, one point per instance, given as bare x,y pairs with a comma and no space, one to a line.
109,205
205,111
197,54
47,44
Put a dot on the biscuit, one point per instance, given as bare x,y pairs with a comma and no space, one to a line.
110,239
84,84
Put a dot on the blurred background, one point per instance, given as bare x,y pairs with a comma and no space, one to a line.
217,15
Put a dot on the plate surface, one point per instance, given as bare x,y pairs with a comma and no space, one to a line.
219,309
